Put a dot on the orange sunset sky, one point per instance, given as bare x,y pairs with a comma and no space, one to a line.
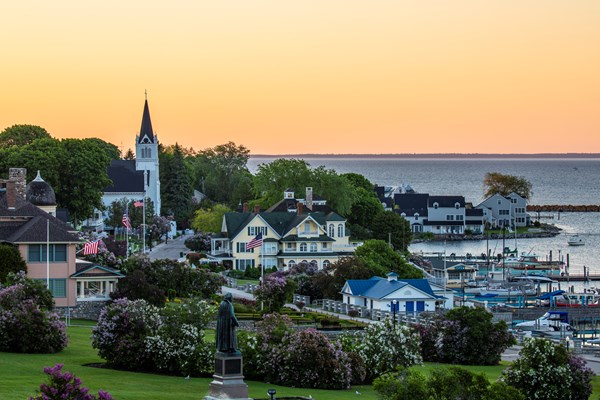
322,76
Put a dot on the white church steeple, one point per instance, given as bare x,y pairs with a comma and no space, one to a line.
146,158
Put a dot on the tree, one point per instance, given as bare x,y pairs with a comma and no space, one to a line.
390,226
176,187
274,291
359,181
135,286
210,219
129,155
365,209
497,183
21,135
329,282
380,258
221,173
10,261
545,370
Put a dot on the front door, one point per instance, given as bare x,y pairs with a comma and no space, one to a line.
410,307
420,306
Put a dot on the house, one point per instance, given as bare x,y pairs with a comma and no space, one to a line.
412,296
440,215
506,211
48,245
293,231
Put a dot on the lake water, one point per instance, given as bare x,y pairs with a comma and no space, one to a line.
564,181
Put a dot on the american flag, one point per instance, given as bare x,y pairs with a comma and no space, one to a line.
138,203
256,242
91,247
126,222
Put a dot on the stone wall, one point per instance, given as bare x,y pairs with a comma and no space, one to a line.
83,310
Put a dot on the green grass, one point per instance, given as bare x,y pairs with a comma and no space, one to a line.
21,375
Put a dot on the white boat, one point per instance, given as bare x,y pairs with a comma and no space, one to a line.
575,240
552,323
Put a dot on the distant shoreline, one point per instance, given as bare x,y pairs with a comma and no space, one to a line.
437,155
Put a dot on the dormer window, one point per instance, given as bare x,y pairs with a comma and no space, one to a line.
457,205
436,205
416,216
403,215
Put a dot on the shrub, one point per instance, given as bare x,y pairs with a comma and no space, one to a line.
448,383
10,261
137,336
66,386
275,291
120,335
199,242
26,325
545,370
384,347
136,286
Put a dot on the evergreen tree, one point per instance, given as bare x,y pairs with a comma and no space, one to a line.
176,187
10,261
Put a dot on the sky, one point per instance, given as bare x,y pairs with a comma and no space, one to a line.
310,76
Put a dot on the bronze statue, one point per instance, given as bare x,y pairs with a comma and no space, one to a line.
226,324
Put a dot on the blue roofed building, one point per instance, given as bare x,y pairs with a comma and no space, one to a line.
413,296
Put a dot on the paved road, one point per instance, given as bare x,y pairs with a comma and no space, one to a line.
171,250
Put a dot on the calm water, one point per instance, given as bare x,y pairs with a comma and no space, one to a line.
555,181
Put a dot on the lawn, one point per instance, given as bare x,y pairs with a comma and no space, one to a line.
21,375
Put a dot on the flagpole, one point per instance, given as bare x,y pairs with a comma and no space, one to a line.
144,212
48,254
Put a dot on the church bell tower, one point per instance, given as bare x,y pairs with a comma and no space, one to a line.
146,158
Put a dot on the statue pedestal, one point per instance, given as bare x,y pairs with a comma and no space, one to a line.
228,380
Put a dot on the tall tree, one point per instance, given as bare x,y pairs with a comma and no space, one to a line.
209,220
20,135
497,183
221,173
381,259
176,187
390,226
129,155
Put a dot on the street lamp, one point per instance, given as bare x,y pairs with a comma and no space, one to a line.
271,393
394,305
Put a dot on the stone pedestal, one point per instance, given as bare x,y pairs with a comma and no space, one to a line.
228,380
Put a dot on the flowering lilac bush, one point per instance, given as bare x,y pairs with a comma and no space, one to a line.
135,335
66,386
383,347
26,325
275,290
465,336
280,355
545,370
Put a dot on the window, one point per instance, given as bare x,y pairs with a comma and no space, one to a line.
324,246
307,227
499,201
37,253
503,212
313,247
241,248
459,217
457,206
416,216
326,263
314,263
436,205
341,230
449,217
255,230
303,247
331,230
291,263
513,200
290,246
58,287
243,264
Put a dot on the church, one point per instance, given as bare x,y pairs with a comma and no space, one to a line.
132,179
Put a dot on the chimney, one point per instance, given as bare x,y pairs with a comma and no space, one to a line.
299,205
256,209
309,199
19,176
11,195
245,208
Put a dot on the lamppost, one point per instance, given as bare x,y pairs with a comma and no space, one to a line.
394,305
271,393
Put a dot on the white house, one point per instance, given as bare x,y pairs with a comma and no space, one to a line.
292,233
412,296
506,211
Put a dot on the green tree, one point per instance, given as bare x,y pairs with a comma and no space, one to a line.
390,226
129,155
210,219
10,261
328,283
365,209
84,176
381,259
359,181
497,183
176,187
21,135
222,174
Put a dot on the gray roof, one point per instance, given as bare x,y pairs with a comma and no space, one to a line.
125,178
446,201
26,223
146,131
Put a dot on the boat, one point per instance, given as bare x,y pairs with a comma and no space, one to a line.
585,299
507,290
552,323
575,240
530,262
